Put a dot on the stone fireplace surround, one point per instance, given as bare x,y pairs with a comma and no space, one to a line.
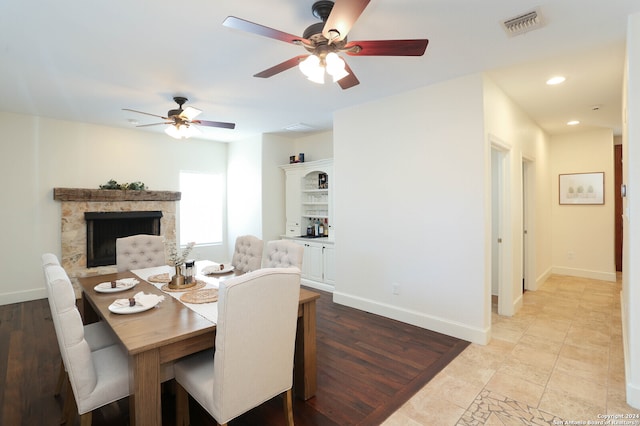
77,201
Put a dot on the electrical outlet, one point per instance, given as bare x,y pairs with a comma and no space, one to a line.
571,255
395,288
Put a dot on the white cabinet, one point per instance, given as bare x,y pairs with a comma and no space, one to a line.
318,264
308,196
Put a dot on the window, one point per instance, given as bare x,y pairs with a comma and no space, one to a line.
201,208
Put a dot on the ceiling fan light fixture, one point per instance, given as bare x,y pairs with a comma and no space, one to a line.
190,113
181,131
335,66
312,69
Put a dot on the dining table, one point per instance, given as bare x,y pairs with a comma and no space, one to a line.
156,337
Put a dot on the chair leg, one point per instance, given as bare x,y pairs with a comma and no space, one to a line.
69,408
85,419
62,376
182,406
288,407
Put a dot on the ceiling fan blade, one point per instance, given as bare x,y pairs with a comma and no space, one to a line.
250,27
290,63
190,113
350,80
145,113
220,124
154,124
342,17
415,47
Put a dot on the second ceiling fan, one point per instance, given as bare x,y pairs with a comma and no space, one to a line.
325,40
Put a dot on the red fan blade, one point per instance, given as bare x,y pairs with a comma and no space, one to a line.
290,63
342,17
350,80
250,27
145,113
415,47
220,124
154,124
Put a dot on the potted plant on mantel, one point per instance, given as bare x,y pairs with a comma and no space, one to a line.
177,259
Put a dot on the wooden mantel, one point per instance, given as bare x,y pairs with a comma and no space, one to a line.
84,194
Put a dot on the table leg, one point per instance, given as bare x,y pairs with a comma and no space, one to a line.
145,403
305,369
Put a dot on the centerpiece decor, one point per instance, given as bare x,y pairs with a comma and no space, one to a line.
177,259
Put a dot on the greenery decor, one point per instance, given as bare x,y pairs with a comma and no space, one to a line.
134,186
175,257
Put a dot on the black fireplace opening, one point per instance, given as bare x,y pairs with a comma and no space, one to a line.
103,228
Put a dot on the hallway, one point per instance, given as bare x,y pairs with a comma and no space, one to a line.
560,358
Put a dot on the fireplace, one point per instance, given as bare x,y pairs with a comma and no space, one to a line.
103,228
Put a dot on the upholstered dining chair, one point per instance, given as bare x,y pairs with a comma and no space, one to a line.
247,254
140,251
97,334
254,347
283,254
97,377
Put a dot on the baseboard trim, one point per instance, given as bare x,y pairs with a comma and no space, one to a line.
419,319
584,273
632,390
317,285
22,296
541,279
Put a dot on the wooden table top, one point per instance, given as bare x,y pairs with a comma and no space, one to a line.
171,321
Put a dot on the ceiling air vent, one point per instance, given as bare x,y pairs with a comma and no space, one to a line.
523,23
299,127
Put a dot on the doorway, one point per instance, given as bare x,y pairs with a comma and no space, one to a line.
617,167
501,241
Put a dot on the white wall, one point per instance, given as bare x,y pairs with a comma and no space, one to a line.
583,235
244,190
316,146
519,139
410,208
631,251
276,151
38,154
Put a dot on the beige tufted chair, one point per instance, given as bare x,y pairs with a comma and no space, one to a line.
254,348
97,334
247,255
283,254
140,251
97,377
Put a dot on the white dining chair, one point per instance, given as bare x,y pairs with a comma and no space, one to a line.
97,334
247,254
254,347
139,252
283,254
98,377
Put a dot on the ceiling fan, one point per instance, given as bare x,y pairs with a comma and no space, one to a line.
181,121
325,40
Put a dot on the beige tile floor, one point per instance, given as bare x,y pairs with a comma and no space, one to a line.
559,360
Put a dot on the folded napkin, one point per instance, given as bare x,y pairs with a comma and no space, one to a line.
121,283
140,299
215,267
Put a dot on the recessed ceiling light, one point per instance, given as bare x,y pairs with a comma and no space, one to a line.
573,123
556,80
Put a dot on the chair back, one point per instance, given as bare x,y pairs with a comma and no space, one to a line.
283,254
49,259
255,340
74,349
247,255
140,251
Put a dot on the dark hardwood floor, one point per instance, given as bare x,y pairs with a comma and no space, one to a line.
368,366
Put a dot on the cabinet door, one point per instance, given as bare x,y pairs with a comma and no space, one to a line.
329,264
312,262
292,193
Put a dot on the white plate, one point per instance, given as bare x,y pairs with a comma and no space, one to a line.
227,268
130,309
106,287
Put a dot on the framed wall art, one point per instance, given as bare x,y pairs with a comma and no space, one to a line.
582,188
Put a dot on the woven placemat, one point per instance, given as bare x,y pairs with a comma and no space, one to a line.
201,296
160,278
198,286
